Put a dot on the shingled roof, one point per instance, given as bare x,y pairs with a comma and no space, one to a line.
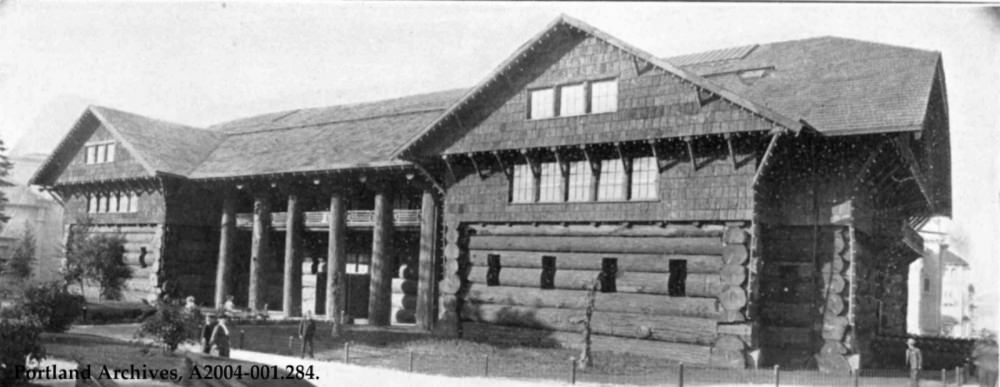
336,137
839,86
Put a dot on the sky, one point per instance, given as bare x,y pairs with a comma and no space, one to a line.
200,63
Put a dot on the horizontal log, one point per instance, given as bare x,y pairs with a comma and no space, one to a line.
696,285
728,359
406,316
832,347
671,231
404,286
604,302
653,263
687,353
729,343
733,274
733,298
832,364
664,328
735,254
582,244
735,235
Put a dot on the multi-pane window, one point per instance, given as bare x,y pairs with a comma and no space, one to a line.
611,183
604,96
523,184
102,204
99,153
581,178
571,100
644,173
551,183
542,104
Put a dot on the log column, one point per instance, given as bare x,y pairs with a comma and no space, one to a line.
223,275
380,298
291,300
336,277
427,277
259,246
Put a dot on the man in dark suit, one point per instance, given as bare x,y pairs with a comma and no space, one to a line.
206,334
220,336
307,331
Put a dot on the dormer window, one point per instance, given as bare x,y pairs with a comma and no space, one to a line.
99,153
604,96
571,100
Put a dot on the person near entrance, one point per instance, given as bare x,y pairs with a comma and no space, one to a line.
914,360
220,336
307,332
206,334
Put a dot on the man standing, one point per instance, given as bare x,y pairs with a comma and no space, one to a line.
206,334
220,336
307,330
914,360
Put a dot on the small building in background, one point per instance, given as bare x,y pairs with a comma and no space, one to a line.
940,301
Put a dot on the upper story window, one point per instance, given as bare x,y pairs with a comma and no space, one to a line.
574,99
638,179
604,96
542,104
551,183
571,100
644,173
611,183
523,184
113,203
99,153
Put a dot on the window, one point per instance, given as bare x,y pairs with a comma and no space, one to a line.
611,184
91,156
542,104
571,100
110,148
102,204
644,173
548,278
609,269
113,203
102,153
493,274
99,153
551,183
581,179
604,96
91,204
133,203
678,276
523,184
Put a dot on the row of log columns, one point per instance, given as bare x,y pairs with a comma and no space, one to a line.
380,290
259,250
291,299
449,323
729,349
223,273
427,272
336,278
834,309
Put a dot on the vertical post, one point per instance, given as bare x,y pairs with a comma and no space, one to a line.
426,280
486,366
336,262
347,352
223,270
291,299
572,370
380,297
411,360
259,250
243,336
958,376
680,375
856,378
777,376
944,377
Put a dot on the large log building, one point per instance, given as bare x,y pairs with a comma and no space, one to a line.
753,198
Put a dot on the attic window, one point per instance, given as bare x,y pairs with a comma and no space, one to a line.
752,75
542,104
99,153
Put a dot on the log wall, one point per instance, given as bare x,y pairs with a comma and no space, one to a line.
643,308
147,278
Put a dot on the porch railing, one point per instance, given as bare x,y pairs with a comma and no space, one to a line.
319,219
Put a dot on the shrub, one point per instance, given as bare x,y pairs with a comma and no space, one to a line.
53,306
98,258
170,326
20,338
22,258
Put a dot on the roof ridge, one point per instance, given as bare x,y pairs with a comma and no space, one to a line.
235,131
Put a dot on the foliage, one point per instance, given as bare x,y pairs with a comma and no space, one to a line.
53,306
171,325
23,256
5,167
98,258
20,337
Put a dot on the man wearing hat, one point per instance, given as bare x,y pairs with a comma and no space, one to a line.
914,360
